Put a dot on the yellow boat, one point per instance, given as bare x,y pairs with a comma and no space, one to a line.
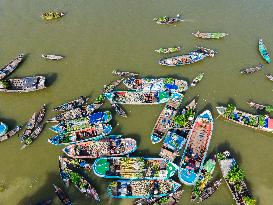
52,15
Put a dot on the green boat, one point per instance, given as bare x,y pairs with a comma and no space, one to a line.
168,50
213,35
263,51
134,168
52,15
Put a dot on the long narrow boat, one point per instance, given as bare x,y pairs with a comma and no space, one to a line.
209,190
168,20
111,86
3,129
203,179
82,100
124,73
235,179
141,188
186,59
118,109
263,51
82,123
52,15
62,196
11,66
258,122
213,35
172,199
156,84
197,79
52,57
196,149
257,106
22,85
10,133
166,117
252,69
138,97
134,168
168,50
111,146
94,132
41,114
29,140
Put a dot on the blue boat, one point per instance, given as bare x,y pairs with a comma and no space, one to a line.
3,128
263,51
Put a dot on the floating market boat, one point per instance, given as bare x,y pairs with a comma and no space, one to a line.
110,146
124,73
203,179
11,66
235,179
52,15
62,196
94,132
263,51
153,84
3,129
166,117
134,168
251,70
52,57
257,106
269,76
21,85
111,86
213,35
118,109
172,199
258,122
82,123
186,59
168,50
74,163
29,140
82,100
138,97
209,190
197,79
10,133
141,188
168,20
196,148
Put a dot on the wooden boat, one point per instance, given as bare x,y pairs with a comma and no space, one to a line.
166,117
111,86
82,123
134,168
82,100
11,66
3,129
251,70
237,185
94,132
171,199
213,35
10,133
153,84
41,115
21,85
263,51
186,59
141,188
52,15
52,57
258,122
124,73
269,77
209,190
110,146
75,163
168,20
257,106
29,140
138,97
196,149
62,196
203,179
197,79
168,50
118,109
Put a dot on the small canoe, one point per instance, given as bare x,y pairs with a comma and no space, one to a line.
209,190
196,148
111,86
168,50
124,73
94,132
11,66
62,196
23,85
156,84
190,58
263,51
168,20
29,140
3,129
10,133
118,109
141,188
82,100
213,35
52,57
251,70
134,168
138,97
197,79
52,15
269,77
110,146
